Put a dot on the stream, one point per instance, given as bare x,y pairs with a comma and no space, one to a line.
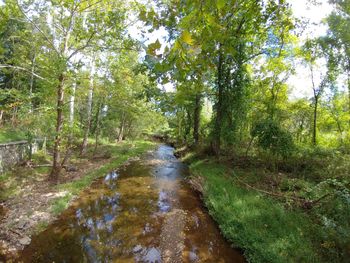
142,212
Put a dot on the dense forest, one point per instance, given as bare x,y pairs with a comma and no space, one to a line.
216,85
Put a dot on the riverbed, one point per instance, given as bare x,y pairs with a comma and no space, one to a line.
142,212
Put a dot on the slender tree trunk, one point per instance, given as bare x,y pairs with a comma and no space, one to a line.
179,126
249,145
314,130
72,107
56,166
349,94
71,125
1,116
196,118
89,110
14,117
188,126
216,142
97,130
31,84
340,130
121,129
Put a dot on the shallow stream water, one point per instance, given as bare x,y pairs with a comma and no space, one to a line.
143,212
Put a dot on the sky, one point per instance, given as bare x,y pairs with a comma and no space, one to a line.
300,83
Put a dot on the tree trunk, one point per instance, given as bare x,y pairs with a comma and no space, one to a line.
72,107
216,141
71,126
97,130
121,129
89,107
314,131
340,130
349,94
249,145
14,117
56,167
180,126
188,126
1,115
196,118
31,84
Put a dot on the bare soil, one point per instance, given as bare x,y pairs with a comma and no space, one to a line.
28,210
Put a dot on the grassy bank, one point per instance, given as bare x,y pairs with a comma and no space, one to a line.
263,227
118,154
11,135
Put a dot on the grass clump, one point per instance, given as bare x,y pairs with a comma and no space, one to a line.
11,135
262,227
60,204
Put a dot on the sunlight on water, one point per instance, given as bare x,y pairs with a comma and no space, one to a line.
143,212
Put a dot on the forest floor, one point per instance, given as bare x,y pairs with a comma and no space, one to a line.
29,201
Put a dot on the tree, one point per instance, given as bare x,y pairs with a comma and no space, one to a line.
73,28
223,38
88,108
314,51
339,24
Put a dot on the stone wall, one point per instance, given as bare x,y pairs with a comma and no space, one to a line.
13,153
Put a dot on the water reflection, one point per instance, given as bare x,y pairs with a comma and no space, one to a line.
122,218
149,255
163,203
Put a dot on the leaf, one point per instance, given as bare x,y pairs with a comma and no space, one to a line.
187,38
151,50
220,4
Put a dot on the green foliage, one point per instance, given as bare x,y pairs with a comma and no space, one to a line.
228,63
273,138
10,135
334,216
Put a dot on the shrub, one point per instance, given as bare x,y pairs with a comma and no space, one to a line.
273,138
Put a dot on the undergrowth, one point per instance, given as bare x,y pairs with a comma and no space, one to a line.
279,227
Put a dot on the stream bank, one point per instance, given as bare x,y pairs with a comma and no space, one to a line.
262,226
144,212
30,202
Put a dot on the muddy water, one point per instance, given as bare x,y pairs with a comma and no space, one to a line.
143,212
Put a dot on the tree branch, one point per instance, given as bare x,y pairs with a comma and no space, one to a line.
23,69
82,47
38,28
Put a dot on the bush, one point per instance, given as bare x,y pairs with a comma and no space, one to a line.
273,138
333,213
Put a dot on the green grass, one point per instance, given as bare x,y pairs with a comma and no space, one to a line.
119,154
262,227
41,226
60,204
9,135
